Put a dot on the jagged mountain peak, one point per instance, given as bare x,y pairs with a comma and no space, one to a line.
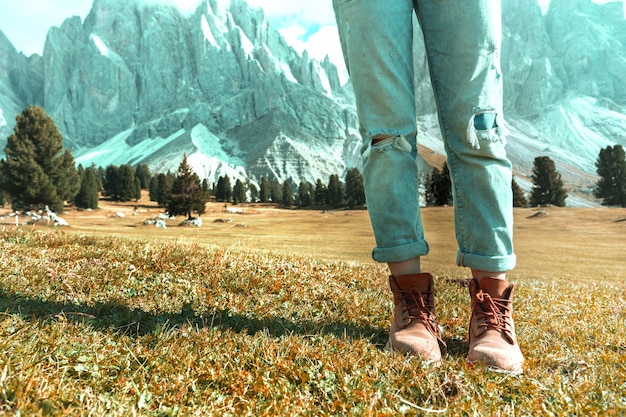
137,75
5,45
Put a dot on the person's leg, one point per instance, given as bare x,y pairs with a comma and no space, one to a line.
463,47
377,39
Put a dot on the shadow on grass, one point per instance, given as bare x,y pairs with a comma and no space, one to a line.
456,348
136,322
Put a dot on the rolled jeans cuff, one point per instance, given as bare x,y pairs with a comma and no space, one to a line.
486,263
401,253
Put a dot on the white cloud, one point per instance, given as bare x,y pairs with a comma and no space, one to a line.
305,12
306,24
319,45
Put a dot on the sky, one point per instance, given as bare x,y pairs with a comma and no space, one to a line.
305,24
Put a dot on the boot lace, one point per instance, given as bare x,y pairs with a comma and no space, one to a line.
495,314
416,308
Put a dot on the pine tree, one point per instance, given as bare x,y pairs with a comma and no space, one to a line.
439,187
100,177
431,187
126,188
206,189
320,193
110,181
66,178
154,187
355,190
120,183
137,195
519,198
304,194
264,192
142,172
276,192
161,188
223,189
87,196
611,167
547,184
334,191
187,195
37,171
4,198
287,195
228,189
239,192
254,192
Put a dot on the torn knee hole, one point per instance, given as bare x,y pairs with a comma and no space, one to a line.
379,138
485,121
389,142
484,125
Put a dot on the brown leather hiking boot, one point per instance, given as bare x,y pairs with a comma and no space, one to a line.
414,328
492,338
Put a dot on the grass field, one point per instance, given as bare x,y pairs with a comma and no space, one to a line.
282,312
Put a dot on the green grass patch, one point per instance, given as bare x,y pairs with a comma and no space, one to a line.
118,326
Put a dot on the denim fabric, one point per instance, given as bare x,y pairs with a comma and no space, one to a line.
463,41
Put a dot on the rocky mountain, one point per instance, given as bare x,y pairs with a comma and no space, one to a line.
21,83
137,83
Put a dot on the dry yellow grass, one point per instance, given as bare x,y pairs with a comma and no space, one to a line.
289,316
583,245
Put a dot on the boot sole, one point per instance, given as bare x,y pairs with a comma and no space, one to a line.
389,349
515,371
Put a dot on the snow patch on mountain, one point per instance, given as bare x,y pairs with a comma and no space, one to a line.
279,65
246,43
117,149
209,156
209,144
104,50
323,76
208,34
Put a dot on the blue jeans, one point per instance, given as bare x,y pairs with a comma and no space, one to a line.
463,41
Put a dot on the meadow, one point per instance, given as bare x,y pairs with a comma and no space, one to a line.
271,311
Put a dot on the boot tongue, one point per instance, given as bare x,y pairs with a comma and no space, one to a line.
414,294
408,282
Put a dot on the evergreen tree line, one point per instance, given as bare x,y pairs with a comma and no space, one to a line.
39,172
335,193
547,186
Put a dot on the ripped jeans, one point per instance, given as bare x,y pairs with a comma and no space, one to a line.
463,41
